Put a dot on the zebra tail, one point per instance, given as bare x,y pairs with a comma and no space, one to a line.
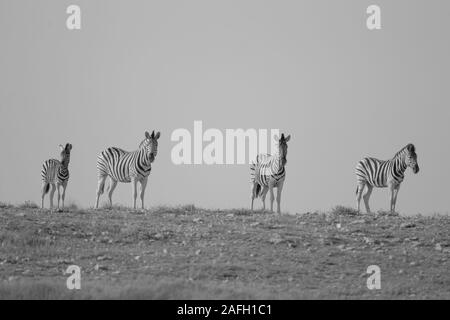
258,190
47,187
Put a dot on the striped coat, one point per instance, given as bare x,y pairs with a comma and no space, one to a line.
123,166
55,174
269,172
371,172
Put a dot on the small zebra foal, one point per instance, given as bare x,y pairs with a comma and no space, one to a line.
371,172
123,166
56,174
268,172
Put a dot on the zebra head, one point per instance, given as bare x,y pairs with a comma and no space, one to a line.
150,144
65,153
282,147
411,158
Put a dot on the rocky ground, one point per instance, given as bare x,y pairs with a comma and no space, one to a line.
190,253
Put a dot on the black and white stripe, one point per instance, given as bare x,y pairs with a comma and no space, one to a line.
124,166
269,172
56,174
371,172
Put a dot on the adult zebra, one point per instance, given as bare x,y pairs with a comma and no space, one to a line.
56,174
268,172
371,172
123,166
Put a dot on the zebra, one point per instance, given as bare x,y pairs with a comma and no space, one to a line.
269,172
371,172
123,166
56,174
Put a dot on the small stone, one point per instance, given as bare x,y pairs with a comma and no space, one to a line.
102,258
276,239
438,247
157,236
100,267
407,225
292,244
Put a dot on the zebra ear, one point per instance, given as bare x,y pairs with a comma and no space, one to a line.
158,134
287,138
147,135
68,146
61,147
276,138
411,147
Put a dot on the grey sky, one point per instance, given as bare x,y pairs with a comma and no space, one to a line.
309,68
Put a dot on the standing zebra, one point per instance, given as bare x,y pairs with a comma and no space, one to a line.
371,172
56,174
123,166
268,172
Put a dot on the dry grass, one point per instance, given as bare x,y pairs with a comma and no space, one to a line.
192,253
28,205
345,211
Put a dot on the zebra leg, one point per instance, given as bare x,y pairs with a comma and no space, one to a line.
100,189
254,189
359,191
52,193
143,186
58,187
279,189
366,197
263,196
63,197
45,187
272,197
134,183
112,186
395,195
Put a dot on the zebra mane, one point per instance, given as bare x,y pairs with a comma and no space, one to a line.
409,148
144,143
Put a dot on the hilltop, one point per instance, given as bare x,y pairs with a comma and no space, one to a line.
192,253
